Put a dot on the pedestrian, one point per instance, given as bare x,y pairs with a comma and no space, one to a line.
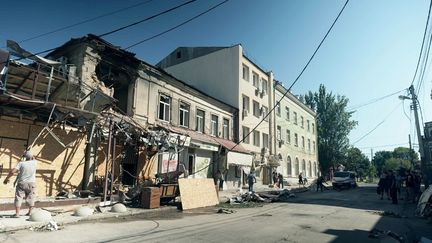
26,178
300,179
381,185
217,178
393,187
409,184
275,179
387,183
416,187
399,184
251,180
320,182
280,180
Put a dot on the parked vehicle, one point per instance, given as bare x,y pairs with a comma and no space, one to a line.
344,179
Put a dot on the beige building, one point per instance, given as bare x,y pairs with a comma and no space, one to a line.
227,74
296,136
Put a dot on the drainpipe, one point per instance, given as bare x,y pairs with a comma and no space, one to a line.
87,156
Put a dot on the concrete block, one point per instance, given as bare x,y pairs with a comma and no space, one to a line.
119,208
40,216
83,211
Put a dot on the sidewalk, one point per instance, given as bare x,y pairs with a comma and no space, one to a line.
65,216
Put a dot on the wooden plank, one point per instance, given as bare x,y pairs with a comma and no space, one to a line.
197,193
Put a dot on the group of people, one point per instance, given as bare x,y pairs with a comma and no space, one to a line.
391,183
277,180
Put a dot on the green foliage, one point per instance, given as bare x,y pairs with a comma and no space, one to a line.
356,161
333,125
399,158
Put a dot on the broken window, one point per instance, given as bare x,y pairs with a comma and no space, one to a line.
164,107
184,115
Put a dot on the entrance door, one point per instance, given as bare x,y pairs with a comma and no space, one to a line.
191,163
129,166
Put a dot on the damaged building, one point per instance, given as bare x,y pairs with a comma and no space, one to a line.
97,118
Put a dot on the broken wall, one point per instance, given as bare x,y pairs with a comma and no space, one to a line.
58,169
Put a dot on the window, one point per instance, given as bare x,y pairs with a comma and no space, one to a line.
313,147
287,111
245,134
265,140
308,125
295,117
245,72
309,145
288,136
289,170
279,133
295,139
264,112
178,54
184,115
264,85
225,129
313,128
200,121
301,121
164,107
256,109
255,79
245,103
256,138
303,142
214,125
278,109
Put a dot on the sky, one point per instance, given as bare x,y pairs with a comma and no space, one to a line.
371,52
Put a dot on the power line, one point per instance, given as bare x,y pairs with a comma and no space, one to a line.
298,77
146,19
382,146
423,42
374,100
177,26
124,27
85,21
379,124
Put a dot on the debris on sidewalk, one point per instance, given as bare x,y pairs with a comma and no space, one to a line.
382,234
51,226
388,213
278,196
225,211
247,197
424,206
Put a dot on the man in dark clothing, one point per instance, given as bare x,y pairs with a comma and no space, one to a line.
320,185
393,187
251,180
409,184
280,180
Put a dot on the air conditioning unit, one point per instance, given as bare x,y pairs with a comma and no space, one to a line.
245,113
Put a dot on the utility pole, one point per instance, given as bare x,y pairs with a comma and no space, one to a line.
411,154
419,137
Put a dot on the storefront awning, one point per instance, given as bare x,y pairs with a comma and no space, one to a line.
235,158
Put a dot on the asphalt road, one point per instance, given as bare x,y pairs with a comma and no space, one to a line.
331,216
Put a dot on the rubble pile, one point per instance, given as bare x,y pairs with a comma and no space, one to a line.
278,196
51,226
382,234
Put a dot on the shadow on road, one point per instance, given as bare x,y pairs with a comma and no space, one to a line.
398,219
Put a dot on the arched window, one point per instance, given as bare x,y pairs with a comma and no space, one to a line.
310,168
289,169
315,169
297,169
303,169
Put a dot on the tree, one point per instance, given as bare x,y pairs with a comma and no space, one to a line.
379,160
333,125
356,161
396,164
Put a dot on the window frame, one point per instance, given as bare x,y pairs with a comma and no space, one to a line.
245,131
166,107
225,134
183,110
197,119
214,125
245,72
256,138
256,108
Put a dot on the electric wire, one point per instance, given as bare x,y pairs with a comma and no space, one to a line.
85,21
379,124
423,42
355,107
177,26
298,77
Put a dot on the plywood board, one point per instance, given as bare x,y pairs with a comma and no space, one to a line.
197,193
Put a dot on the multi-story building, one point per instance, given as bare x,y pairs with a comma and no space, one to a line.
296,136
159,100
228,74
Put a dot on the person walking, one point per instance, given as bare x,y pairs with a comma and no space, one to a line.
409,184
251,180
320,184
275,179
280,180
26,178
300,179
381,185
393,187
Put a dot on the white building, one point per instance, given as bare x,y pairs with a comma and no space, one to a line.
296,136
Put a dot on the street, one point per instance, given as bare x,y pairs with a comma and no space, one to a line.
331,216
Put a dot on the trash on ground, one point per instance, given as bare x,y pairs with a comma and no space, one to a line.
225,211
381,234
51,226
388,213
278,196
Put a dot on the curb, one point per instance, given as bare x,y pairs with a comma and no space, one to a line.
94,217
